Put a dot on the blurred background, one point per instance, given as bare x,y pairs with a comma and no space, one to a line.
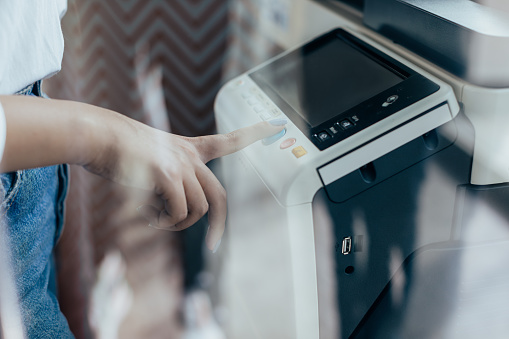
162,63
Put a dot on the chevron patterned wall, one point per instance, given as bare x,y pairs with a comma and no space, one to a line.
120,50
162,63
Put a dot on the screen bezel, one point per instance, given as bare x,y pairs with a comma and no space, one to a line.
411,89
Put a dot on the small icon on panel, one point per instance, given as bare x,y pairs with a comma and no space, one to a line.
345,124
333,130
390,100
299,151
323,136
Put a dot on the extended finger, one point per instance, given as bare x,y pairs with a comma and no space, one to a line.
215,146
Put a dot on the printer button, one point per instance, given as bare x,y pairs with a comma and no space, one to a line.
333,130
323,136
288,143
299,151
274,112
265,115
345,124
272,139
258,108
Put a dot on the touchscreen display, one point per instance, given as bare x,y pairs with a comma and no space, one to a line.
326,79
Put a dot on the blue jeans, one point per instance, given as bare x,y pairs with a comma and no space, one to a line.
33,207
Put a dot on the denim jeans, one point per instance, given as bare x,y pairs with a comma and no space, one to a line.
33,208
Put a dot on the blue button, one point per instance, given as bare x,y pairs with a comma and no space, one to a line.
272,139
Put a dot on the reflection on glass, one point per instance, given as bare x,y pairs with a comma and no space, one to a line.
428,248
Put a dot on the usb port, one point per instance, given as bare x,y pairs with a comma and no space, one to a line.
347,245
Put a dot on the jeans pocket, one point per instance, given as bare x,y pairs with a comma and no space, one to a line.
10,183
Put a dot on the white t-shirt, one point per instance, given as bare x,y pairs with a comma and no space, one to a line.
31,45
31,41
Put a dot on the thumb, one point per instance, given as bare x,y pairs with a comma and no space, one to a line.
215,146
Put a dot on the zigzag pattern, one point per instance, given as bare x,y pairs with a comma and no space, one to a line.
186,39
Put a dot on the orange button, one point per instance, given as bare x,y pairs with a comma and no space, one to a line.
288,143
299,151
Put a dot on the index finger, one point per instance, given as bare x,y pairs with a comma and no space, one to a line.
215,146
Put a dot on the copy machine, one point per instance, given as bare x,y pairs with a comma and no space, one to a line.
380,210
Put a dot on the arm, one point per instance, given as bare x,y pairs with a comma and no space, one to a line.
47,132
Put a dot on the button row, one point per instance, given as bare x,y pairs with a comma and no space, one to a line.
266,110
298,151
260,105
342,125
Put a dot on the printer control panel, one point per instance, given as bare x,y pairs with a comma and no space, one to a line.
334,125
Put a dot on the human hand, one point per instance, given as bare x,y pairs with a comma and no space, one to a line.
173,167
48,132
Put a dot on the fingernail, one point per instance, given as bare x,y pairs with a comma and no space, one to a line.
217,246
278,121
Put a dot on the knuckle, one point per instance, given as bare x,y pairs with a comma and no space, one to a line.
202,208
190,151
180,216
177,216
173,172
201,144
233,138
191,146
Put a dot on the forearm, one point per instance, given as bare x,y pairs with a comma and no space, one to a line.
47,132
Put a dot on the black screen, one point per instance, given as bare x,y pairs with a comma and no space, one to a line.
326,79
